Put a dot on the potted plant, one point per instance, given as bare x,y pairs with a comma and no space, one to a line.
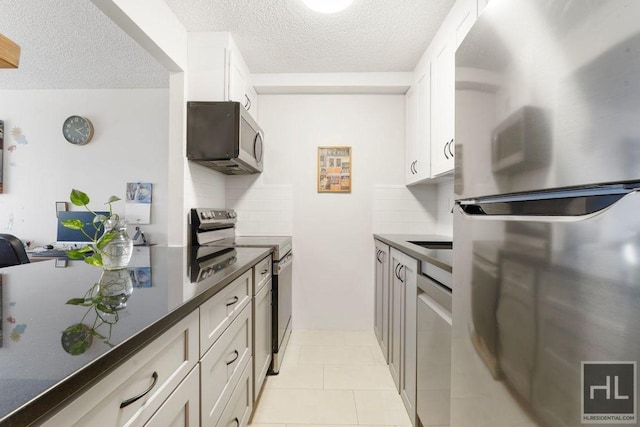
111,246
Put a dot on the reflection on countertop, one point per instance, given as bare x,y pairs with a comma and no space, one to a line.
42,362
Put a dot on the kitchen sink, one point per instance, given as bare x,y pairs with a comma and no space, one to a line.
434,244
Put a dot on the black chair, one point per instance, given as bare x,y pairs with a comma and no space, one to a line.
12,251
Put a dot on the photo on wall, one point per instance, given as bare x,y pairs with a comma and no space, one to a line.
334,169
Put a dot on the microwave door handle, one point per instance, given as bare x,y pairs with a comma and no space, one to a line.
257,147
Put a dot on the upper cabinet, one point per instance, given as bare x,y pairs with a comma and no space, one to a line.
431,100
217,71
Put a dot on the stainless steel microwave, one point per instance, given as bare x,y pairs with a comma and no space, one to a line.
223,136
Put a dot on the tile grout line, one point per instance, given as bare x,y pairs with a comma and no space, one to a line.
355,404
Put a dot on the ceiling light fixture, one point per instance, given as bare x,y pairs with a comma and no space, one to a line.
328,6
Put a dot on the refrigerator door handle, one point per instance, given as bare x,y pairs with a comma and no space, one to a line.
575,206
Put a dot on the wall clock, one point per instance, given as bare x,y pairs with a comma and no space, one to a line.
77,130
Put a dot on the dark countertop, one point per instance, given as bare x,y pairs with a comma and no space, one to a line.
37,375
442,258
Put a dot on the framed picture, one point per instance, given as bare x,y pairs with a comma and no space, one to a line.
334,169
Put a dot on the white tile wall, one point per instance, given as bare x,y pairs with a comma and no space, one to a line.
263,210
398,209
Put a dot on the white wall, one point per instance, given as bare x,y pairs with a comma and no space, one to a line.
445,200
332,233
130,144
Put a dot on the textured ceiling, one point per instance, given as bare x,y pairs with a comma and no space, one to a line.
283,36
71,44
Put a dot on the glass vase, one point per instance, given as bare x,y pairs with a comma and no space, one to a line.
118,247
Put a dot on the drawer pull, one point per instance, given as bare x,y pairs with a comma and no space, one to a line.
235,300
265,271
236,355
237,421
141,395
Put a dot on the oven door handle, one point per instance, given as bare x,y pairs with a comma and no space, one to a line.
283,263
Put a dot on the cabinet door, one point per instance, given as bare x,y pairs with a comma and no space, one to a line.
261,338
465,14
240,405
397,318
182,408
382,297
423,128
408,278
251,101
442,108
237,79
223,365
410,156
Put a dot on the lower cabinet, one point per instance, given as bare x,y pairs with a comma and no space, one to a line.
132,393
402,354
261,337
382,297
201,372
223,366
182,408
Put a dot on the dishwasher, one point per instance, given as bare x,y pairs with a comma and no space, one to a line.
434,352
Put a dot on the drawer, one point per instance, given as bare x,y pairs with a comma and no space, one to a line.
182,408
239,408
219,311
222,366
170,357
261,274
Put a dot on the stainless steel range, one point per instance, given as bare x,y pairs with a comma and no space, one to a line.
211,227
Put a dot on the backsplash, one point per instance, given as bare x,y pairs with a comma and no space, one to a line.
445,203
263,210
398,209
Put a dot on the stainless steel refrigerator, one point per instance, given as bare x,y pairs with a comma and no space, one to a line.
546,301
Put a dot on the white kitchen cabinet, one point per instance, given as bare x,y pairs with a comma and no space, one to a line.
396,326
153,374
223,365
464,15
219,311
240,88
418,134
240,405
382,297
217,71
402,360
182,408
481,5
261,337
442,111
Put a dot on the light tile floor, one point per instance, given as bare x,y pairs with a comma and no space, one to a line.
331,378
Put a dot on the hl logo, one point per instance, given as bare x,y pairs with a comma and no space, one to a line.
608,392
607,389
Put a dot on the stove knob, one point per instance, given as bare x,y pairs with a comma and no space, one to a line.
203,215
210,215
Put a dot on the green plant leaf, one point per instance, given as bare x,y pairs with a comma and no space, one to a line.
99,218
79,198
112,199
105,239
94,259
75,301
76,253
104,308
75,224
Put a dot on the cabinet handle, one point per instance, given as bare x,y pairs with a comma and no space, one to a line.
236,421
249,99
449,145
444,149
141,395
400,274
236,355
265,271
235,300
378,256
246,103
396,270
